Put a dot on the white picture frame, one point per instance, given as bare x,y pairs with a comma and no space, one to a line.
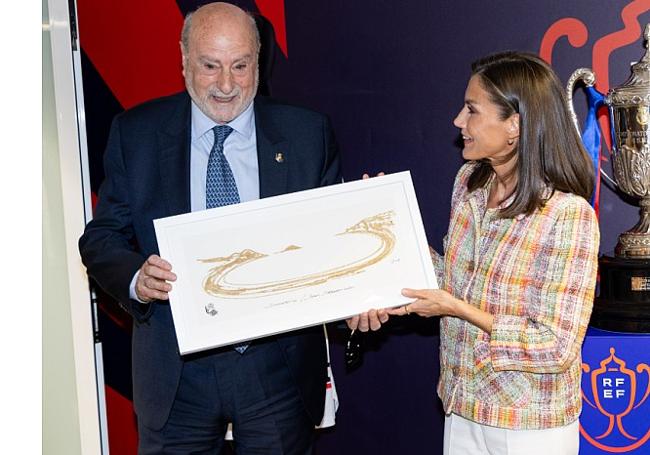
287,262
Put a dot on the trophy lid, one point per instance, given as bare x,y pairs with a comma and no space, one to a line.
636,90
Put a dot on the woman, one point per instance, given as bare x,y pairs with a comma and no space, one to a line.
518,275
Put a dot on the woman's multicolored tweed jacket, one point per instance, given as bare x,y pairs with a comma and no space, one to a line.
536,274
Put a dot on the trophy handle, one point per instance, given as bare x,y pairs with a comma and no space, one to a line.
587,76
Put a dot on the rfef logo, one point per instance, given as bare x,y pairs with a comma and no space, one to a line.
617,394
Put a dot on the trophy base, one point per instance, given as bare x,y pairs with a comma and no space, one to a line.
633,245
624,301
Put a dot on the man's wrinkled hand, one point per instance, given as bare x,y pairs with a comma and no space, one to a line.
370,320
153,279
367,176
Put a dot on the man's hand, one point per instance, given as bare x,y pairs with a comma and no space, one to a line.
370,320
152,282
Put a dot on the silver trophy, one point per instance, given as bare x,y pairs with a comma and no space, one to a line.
623,303
628,106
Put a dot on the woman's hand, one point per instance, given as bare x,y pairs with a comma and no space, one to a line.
370,320
429,302
436,302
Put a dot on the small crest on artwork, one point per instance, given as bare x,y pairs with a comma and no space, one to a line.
209,309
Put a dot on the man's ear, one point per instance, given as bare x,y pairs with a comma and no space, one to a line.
183,56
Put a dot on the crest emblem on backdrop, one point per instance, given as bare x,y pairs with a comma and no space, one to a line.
615,404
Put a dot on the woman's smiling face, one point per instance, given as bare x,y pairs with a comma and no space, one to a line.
485,134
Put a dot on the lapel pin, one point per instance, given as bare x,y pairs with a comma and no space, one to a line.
279,157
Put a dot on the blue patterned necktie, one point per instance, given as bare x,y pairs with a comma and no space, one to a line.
220,185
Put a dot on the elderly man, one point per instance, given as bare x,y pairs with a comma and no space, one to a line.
215,144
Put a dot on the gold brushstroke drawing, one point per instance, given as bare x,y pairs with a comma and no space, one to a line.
216,282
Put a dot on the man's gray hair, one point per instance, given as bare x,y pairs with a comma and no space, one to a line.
187,28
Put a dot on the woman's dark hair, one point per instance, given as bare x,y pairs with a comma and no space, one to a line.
549,151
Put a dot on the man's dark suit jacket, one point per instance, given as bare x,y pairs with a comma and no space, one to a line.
147,167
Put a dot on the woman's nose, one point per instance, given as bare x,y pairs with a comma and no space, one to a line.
459,121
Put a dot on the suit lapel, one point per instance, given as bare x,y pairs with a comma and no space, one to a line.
174,159
273,152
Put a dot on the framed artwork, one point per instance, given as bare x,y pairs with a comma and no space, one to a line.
283,263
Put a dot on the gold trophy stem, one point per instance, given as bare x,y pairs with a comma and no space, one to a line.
635,243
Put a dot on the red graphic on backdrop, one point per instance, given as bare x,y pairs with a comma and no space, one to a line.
577,34
273,10
614,391
122,427
573,29
135,50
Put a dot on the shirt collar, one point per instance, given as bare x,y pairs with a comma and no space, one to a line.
242,124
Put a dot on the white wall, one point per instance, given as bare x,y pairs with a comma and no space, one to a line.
70,412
